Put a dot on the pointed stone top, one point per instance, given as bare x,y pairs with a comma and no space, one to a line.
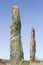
33,30
15,10
15,7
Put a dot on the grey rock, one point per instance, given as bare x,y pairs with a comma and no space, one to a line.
16,51
32,45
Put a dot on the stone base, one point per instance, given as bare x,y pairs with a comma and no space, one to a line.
7,62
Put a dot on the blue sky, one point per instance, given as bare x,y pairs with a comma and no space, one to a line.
31,14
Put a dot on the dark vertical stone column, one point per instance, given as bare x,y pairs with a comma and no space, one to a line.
32,45
16,51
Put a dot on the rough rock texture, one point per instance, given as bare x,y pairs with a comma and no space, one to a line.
32,45
16,52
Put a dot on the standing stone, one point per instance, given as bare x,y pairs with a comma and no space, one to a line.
16,51
32,45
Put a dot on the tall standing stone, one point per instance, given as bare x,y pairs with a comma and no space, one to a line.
16,52
32,45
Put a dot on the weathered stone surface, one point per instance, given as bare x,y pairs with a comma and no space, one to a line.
32,45
16,52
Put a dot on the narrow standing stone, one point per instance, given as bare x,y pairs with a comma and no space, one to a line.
32,45
16,52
